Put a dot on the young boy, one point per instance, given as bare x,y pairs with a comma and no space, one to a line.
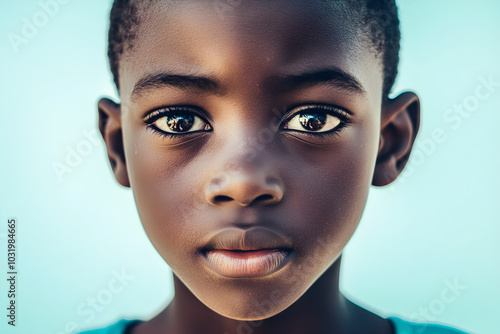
250,133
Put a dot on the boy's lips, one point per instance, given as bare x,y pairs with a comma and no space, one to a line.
238,253
255,238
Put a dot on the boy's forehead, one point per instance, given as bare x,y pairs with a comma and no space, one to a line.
255,39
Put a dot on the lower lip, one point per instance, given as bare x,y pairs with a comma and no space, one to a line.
245,264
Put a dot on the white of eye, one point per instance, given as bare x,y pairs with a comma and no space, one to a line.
313,122
181,123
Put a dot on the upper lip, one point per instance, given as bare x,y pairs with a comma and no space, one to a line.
256,238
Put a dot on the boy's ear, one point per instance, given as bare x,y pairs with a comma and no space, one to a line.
110,126
399,126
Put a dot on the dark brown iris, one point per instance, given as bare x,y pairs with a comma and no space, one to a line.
180,123
312,122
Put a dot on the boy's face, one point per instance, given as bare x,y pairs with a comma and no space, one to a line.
281,141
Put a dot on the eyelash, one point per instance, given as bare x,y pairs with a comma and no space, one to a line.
335,111
323,109
162,112
163,134
326,134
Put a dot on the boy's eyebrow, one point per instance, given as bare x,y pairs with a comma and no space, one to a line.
332,76
190,82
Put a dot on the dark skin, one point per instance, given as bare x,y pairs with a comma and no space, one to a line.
240,156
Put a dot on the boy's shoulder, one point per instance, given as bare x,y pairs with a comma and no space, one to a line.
405,327
120,327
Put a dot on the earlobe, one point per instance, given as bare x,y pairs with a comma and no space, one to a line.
399,126
110,127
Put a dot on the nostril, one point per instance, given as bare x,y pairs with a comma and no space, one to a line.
222,198
263,198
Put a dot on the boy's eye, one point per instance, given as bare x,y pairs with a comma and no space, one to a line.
180,123
315,119
176,120
314,122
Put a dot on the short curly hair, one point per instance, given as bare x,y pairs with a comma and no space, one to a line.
378,21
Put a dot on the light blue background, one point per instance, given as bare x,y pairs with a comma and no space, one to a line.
439,223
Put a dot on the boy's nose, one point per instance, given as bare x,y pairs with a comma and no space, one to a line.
244,187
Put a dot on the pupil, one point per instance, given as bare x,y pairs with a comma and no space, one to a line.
312,122
180,123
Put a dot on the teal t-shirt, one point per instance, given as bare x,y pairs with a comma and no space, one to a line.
401,327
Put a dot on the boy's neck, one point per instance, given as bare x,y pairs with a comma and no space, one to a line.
322,309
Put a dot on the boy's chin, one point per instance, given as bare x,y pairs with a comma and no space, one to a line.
249,301
244,310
